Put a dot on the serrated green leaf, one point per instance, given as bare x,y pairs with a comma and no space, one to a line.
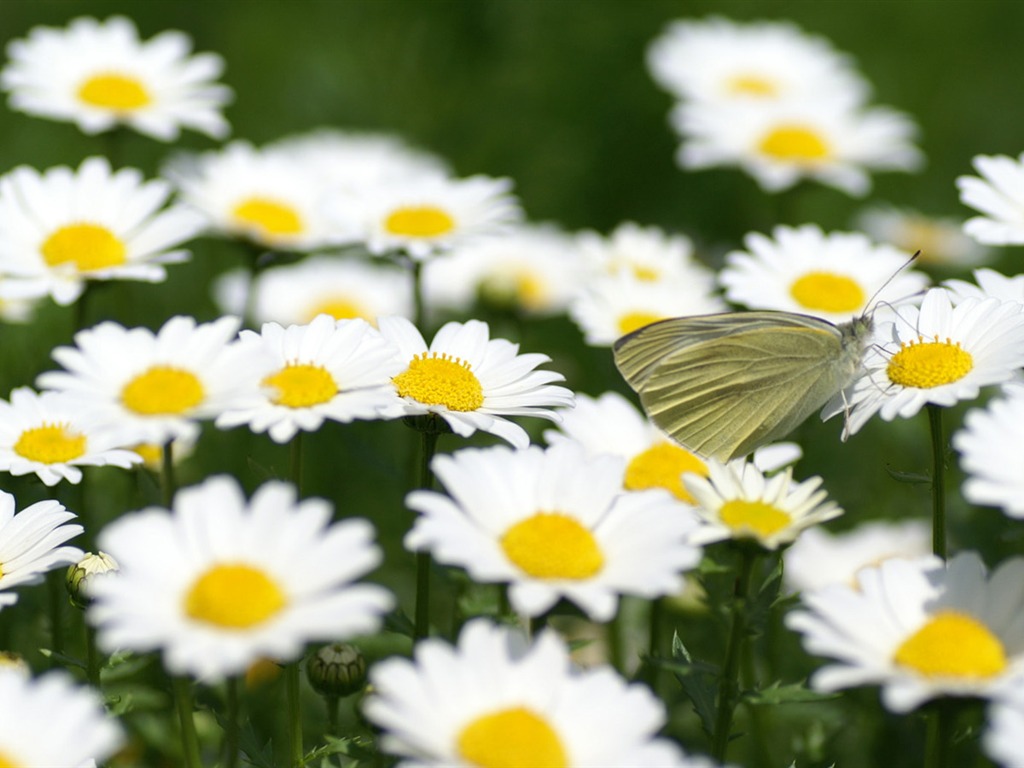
397,621
253,752
698,680
759,608
912,478
790,693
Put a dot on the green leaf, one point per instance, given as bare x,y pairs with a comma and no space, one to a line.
760,606
68,662
254,753
397,621
790,693
911,478
699,681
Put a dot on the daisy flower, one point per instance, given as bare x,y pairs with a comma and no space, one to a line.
353,160
781,144
990,454
183,571
988,284
819,558
609,307
958,631
343,288
30,543
999,196
330,369
147,387
47,435
495,699
63,227
1004,738
647,253
940,240
99,75
939,354
428,214
53,722
552,524
829,275
737,501
718,60
261,196
533,269
470,380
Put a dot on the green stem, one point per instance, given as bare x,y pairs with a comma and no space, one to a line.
291,676
418,306
428,447
729,688
938,481
233,734
939,736
331,702
613,631
183,703
57,594
168,483
92,657
296,463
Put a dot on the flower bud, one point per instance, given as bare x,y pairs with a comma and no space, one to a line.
338,669
80,575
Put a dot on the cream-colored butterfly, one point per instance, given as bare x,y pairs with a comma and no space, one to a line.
723,385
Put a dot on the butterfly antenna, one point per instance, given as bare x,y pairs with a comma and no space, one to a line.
871,302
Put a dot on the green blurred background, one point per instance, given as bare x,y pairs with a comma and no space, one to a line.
554,94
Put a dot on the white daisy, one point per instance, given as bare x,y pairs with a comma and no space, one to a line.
261,196
988,284
611,425
819,558
49,721
957,631
63,227
999,196
781,144
30,543
1004,737
718,60
609,307
533,269
647,253
150,387
425,215
495,699
829,275
330,369
184,571
343,288
553,524
352,160
152,454
47,435
737,501
939,354
99,75
940,240
470,380
991,455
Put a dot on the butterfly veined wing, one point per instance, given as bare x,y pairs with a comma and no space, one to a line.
722,385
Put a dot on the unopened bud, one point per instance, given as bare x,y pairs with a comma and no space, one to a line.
338,669
80,575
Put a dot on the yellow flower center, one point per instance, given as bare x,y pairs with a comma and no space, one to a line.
645,274
827,292
633,321
440,379
662,466
550,545
753,517
419,221
6,761
928,364
87,246
261,672
511,738
50,444
749,84
268,217
162,390
300,385
112,90
522,286
152,453
953,644
340,308
234,596
795,144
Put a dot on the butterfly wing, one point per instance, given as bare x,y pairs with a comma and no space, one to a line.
722,385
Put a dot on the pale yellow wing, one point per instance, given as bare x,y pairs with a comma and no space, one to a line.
722,385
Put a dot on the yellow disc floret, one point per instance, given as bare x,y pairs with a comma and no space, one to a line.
953,644
234,596
440,379
88,247
511,738
162,390
50,444
795,144
419,221
269,218
299,385
662,466
116,91
754,517
927,364
550,545
827,292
